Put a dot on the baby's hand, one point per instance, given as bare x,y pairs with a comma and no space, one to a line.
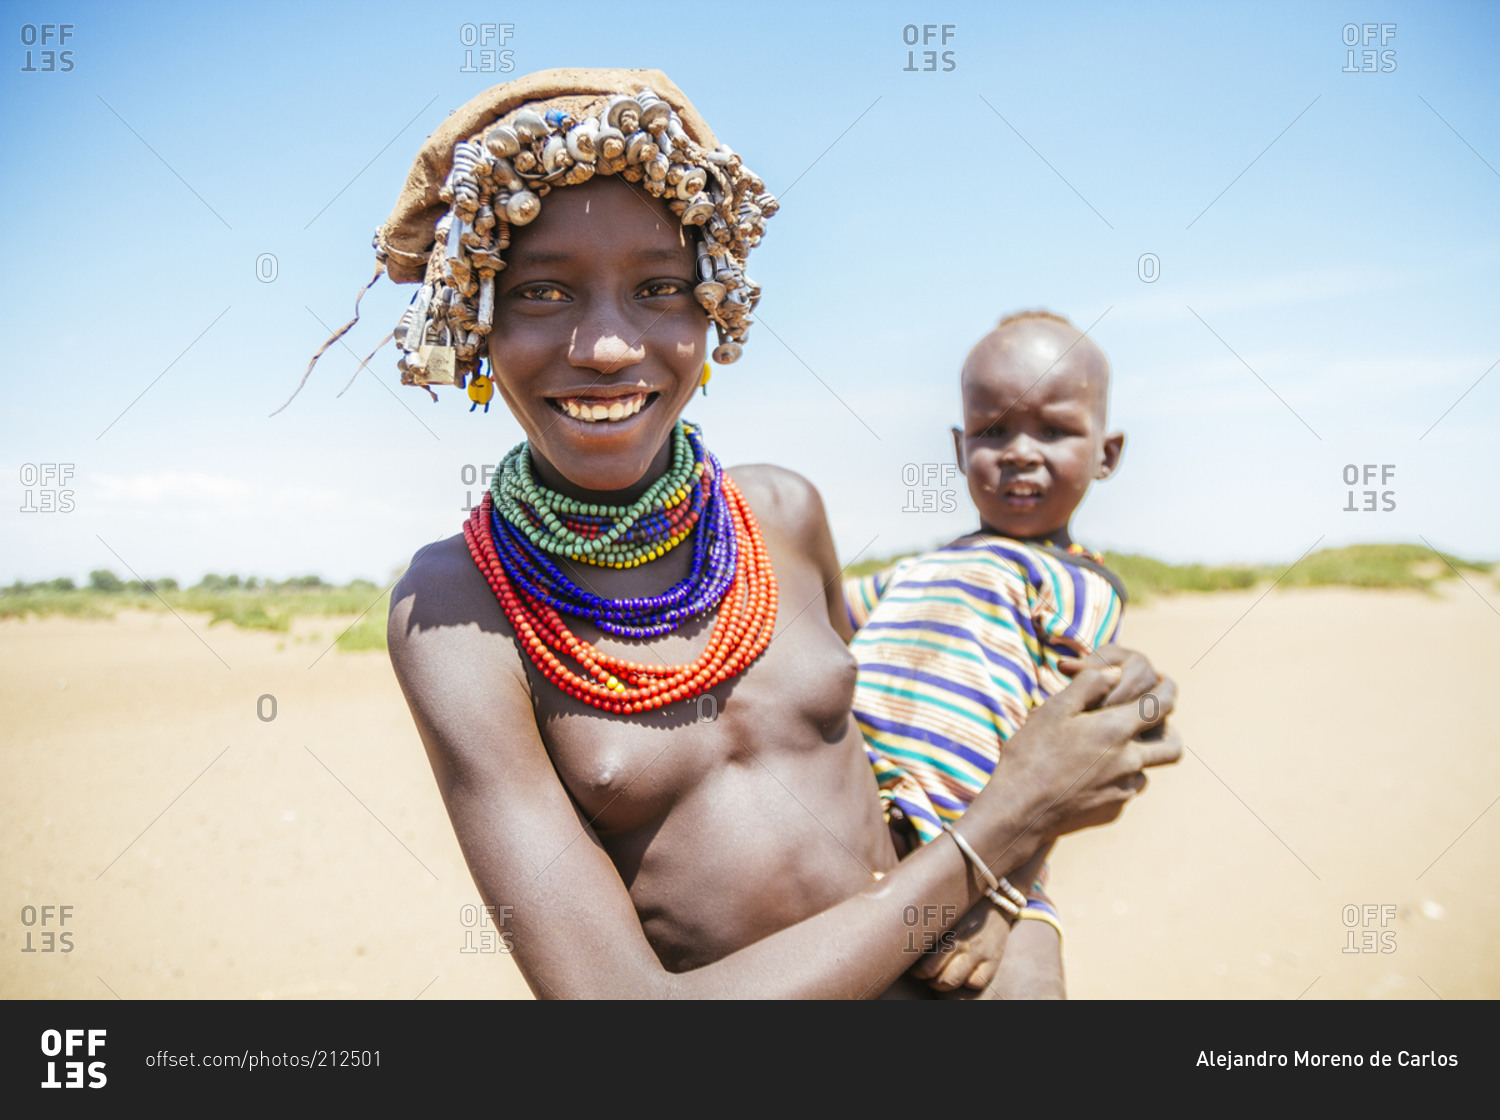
970,953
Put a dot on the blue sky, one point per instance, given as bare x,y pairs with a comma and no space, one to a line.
1328,246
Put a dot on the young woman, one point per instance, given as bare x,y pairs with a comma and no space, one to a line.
716,833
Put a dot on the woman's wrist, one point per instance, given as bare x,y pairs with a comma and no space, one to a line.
1004,831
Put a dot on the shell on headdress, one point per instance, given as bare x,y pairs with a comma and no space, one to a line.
529,126
639,147
710,294
582,139
555,156
504,174
624,113
654,111
522,207
610,143
699,209
501,140
691,183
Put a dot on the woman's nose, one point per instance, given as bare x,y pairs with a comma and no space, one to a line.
600,343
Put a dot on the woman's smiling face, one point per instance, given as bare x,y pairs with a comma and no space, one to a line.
598,340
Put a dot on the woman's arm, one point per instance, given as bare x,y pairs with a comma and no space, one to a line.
574,929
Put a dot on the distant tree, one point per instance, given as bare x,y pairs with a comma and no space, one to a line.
63,583
166,583
103,579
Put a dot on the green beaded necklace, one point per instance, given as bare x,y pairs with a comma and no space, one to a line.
519,497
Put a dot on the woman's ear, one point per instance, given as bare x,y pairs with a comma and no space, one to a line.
958,450
1114,447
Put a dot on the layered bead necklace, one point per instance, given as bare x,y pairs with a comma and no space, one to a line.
515,533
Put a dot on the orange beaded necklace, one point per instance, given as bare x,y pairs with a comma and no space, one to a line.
741,631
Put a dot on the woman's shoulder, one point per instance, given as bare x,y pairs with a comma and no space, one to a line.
443,607
781,499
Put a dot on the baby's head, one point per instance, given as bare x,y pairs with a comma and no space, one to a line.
1035,395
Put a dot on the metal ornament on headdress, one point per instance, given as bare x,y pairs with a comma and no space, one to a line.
498,180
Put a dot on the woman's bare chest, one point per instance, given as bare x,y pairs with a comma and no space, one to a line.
628,772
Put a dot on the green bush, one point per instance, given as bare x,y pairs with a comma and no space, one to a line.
105,580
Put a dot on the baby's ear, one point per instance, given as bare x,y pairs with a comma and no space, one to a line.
1114,447
958,450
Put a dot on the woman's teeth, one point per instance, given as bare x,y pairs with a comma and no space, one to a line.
595,410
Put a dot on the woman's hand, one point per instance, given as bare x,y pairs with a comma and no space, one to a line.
1077,761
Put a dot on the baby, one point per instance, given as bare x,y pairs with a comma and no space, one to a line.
956,646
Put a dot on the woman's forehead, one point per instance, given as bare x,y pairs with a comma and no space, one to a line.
593,218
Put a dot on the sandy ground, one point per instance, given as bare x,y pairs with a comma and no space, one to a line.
206,852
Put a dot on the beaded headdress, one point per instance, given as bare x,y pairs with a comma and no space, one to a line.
487,169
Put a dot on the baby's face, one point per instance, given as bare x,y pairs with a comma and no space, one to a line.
1034,427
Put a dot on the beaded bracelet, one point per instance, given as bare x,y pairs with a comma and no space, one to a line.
1010,901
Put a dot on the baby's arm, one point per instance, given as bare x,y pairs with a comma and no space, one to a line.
1032,968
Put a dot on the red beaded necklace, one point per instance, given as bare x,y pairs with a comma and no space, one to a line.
741,632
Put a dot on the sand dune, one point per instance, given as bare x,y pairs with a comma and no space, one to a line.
1343,755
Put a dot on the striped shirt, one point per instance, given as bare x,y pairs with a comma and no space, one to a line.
955,647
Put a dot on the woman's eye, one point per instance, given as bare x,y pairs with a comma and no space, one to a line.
658,288
542,293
